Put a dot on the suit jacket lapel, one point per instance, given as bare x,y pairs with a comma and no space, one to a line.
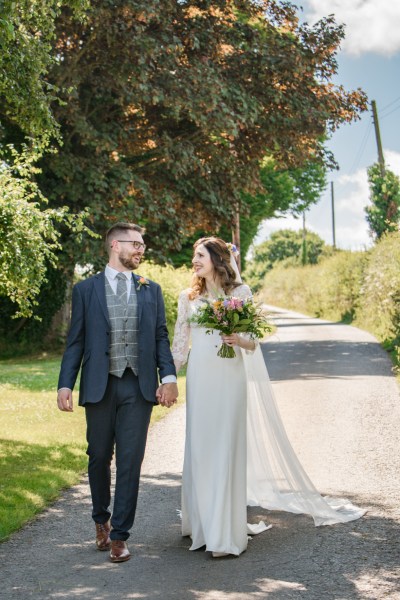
100,288
139,294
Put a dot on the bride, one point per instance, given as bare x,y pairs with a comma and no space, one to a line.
236,449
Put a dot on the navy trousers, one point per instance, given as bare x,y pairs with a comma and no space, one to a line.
121,420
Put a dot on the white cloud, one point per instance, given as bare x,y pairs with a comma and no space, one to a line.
354,193
392,160
351,228
371,26
351,197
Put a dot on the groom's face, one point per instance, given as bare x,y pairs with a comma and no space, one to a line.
130,249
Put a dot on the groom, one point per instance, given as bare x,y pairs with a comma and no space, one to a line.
119,339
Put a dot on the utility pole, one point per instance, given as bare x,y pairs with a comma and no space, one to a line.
381,160
333,215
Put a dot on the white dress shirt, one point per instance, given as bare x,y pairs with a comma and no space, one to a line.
111,275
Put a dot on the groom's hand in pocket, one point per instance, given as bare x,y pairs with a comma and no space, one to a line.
64,400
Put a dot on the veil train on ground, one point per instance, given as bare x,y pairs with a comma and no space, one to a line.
275,478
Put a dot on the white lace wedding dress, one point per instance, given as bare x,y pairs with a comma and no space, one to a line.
236,450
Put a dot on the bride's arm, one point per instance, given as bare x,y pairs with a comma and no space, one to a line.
180,345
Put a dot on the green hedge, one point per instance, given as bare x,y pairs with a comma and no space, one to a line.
379,301
329,289
362,288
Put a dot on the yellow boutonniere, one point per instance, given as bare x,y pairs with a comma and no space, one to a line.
142,281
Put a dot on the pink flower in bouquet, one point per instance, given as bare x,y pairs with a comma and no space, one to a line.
232,315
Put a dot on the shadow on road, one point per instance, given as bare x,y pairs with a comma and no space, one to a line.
324,359
293,560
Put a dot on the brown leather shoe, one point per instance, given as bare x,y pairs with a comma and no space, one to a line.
103,541
119,551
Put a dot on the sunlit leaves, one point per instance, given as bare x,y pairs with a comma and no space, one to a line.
28,233
190,99
27,29
383,213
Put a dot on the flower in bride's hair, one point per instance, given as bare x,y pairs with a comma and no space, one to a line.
233,249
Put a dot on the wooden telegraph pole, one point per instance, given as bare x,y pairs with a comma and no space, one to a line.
381,160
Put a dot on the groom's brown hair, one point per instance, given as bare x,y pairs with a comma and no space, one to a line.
120,228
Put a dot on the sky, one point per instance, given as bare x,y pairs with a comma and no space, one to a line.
369,58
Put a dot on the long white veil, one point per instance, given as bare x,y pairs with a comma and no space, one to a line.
275,478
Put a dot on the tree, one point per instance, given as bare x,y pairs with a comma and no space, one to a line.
283,245
29,231
383,214
27,29
290,191
167,114
284,192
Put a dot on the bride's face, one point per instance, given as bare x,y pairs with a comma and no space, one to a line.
202,264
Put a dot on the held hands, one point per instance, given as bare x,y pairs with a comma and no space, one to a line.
64,400
167,394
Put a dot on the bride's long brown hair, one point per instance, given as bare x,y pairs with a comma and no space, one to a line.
220,257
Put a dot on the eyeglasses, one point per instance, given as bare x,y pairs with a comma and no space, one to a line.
136,245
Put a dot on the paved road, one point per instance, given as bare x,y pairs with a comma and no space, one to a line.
340,403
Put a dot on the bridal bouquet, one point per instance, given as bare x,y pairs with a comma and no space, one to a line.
232,315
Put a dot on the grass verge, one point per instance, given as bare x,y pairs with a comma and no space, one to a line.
42,450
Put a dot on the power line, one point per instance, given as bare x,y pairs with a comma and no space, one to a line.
390,112
390,104
368,130
361,149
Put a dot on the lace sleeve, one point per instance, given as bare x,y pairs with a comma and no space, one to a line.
180,345
243,291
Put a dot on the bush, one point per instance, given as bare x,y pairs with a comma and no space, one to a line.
362,288
340,281
329,289
284,246
20,336
379,302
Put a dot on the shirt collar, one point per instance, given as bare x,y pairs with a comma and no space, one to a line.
111,273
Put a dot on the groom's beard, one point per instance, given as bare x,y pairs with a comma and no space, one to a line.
130,262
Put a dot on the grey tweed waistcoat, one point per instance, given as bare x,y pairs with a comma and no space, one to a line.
124,331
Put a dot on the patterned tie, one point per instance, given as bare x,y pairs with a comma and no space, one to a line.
122,294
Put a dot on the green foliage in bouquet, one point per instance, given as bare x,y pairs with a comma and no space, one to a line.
232,315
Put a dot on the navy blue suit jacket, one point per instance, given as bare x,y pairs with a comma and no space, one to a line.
88,340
